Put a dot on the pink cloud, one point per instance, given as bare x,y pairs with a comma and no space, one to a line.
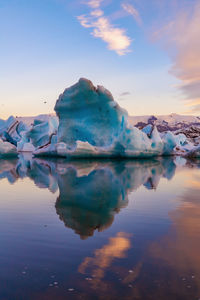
131,10
181,38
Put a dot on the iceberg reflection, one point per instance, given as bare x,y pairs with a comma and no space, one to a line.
90,192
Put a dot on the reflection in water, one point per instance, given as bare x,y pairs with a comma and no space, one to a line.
90,193
169,268
178,251
8,170
103,258
151,251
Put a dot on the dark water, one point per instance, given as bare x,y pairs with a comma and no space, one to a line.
99,229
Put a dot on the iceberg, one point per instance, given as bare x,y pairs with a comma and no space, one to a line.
92,124
148,129
39,134
11,130
88,114
42,132
194,152
6,125
7,150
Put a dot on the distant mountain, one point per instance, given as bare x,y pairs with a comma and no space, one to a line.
30,120
189,125
172,122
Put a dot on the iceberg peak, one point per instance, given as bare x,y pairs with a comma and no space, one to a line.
89,114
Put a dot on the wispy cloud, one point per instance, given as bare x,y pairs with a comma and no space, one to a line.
115,37
131,10
125,94
94,3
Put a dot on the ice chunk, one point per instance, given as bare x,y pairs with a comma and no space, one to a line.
42,132
7,149
11,130
38,135
181,139
25,145
148,129
170,142
194,152
6,125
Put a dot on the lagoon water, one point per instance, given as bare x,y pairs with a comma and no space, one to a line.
99,229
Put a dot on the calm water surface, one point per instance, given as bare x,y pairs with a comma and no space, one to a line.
99,229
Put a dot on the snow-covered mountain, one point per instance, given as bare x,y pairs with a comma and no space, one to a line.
172,122
189,125
30,120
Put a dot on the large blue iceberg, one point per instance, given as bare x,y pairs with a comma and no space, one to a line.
92,124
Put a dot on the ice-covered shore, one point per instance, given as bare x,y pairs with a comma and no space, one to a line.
89,123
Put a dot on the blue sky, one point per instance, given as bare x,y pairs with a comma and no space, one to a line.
131,47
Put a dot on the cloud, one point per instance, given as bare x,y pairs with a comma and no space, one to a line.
94,3
97,13
125,94
116,38
193,109
103,258
131,10
181,38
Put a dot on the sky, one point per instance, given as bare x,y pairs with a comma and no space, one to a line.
146,52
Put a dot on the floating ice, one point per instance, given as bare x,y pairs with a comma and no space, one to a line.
148,129
5,125
181,139
92,124
89,114
39,134
11,129
25,145
194,152
7,149
89,123
170,142
42,132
